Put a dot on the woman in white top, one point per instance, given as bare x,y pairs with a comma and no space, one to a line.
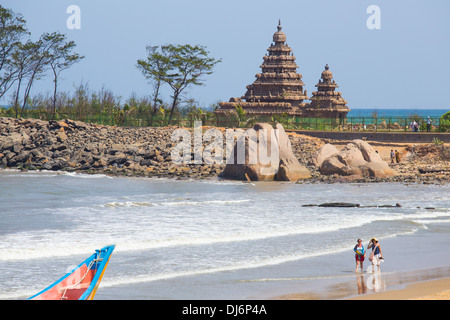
377,254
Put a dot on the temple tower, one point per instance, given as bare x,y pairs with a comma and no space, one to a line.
278,88
326,102
279,80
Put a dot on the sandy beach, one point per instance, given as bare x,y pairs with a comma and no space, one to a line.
427,290
411,272
438,289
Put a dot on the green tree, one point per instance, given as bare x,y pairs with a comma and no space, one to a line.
444,122
61,57
41,57
187,66
155,68
22,61
12,31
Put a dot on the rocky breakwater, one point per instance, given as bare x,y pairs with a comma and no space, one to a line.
68,145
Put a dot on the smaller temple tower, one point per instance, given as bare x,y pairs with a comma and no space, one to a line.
326,102
278,89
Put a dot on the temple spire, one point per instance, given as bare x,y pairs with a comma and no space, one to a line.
279,89
326,101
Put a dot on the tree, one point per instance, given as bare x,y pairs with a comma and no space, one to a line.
444,122
22,62
40,60
12,31
155,68
61,57
31,61
187,65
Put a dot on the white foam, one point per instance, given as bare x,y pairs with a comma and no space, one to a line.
171,203
426,221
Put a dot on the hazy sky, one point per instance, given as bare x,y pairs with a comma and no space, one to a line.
405,64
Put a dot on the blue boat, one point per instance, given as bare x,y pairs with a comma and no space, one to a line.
82,282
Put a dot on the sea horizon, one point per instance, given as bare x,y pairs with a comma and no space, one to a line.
396,112
382,112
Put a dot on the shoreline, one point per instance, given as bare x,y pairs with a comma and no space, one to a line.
325,180
73,146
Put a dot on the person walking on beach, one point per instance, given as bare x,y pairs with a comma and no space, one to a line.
376,255
360,254
397,156
392,156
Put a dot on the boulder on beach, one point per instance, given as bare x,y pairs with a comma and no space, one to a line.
289,168
254,165
356,160
323,153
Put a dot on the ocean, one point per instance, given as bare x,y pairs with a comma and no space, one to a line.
205,239
381,112
397,113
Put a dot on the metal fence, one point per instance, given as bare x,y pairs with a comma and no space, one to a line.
383,124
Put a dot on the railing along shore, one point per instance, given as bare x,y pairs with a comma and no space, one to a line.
350,124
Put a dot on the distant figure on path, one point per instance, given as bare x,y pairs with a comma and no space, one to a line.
397,156
376,255
360,254
429,122
392,156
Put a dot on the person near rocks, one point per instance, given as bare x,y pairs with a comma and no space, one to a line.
360,254
392,156
376,255
416,126
429,123
397,156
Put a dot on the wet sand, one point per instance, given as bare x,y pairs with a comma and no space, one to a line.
405,287
413,269
427,290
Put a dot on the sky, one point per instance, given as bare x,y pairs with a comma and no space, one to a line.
403,64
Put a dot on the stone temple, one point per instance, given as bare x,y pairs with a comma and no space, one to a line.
279,89
326,102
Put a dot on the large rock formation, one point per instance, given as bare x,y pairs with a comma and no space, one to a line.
356,160
283,165
289,168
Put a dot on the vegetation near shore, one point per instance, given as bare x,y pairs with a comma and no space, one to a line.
23,62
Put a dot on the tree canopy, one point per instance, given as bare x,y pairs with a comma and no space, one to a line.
178,66
23,61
